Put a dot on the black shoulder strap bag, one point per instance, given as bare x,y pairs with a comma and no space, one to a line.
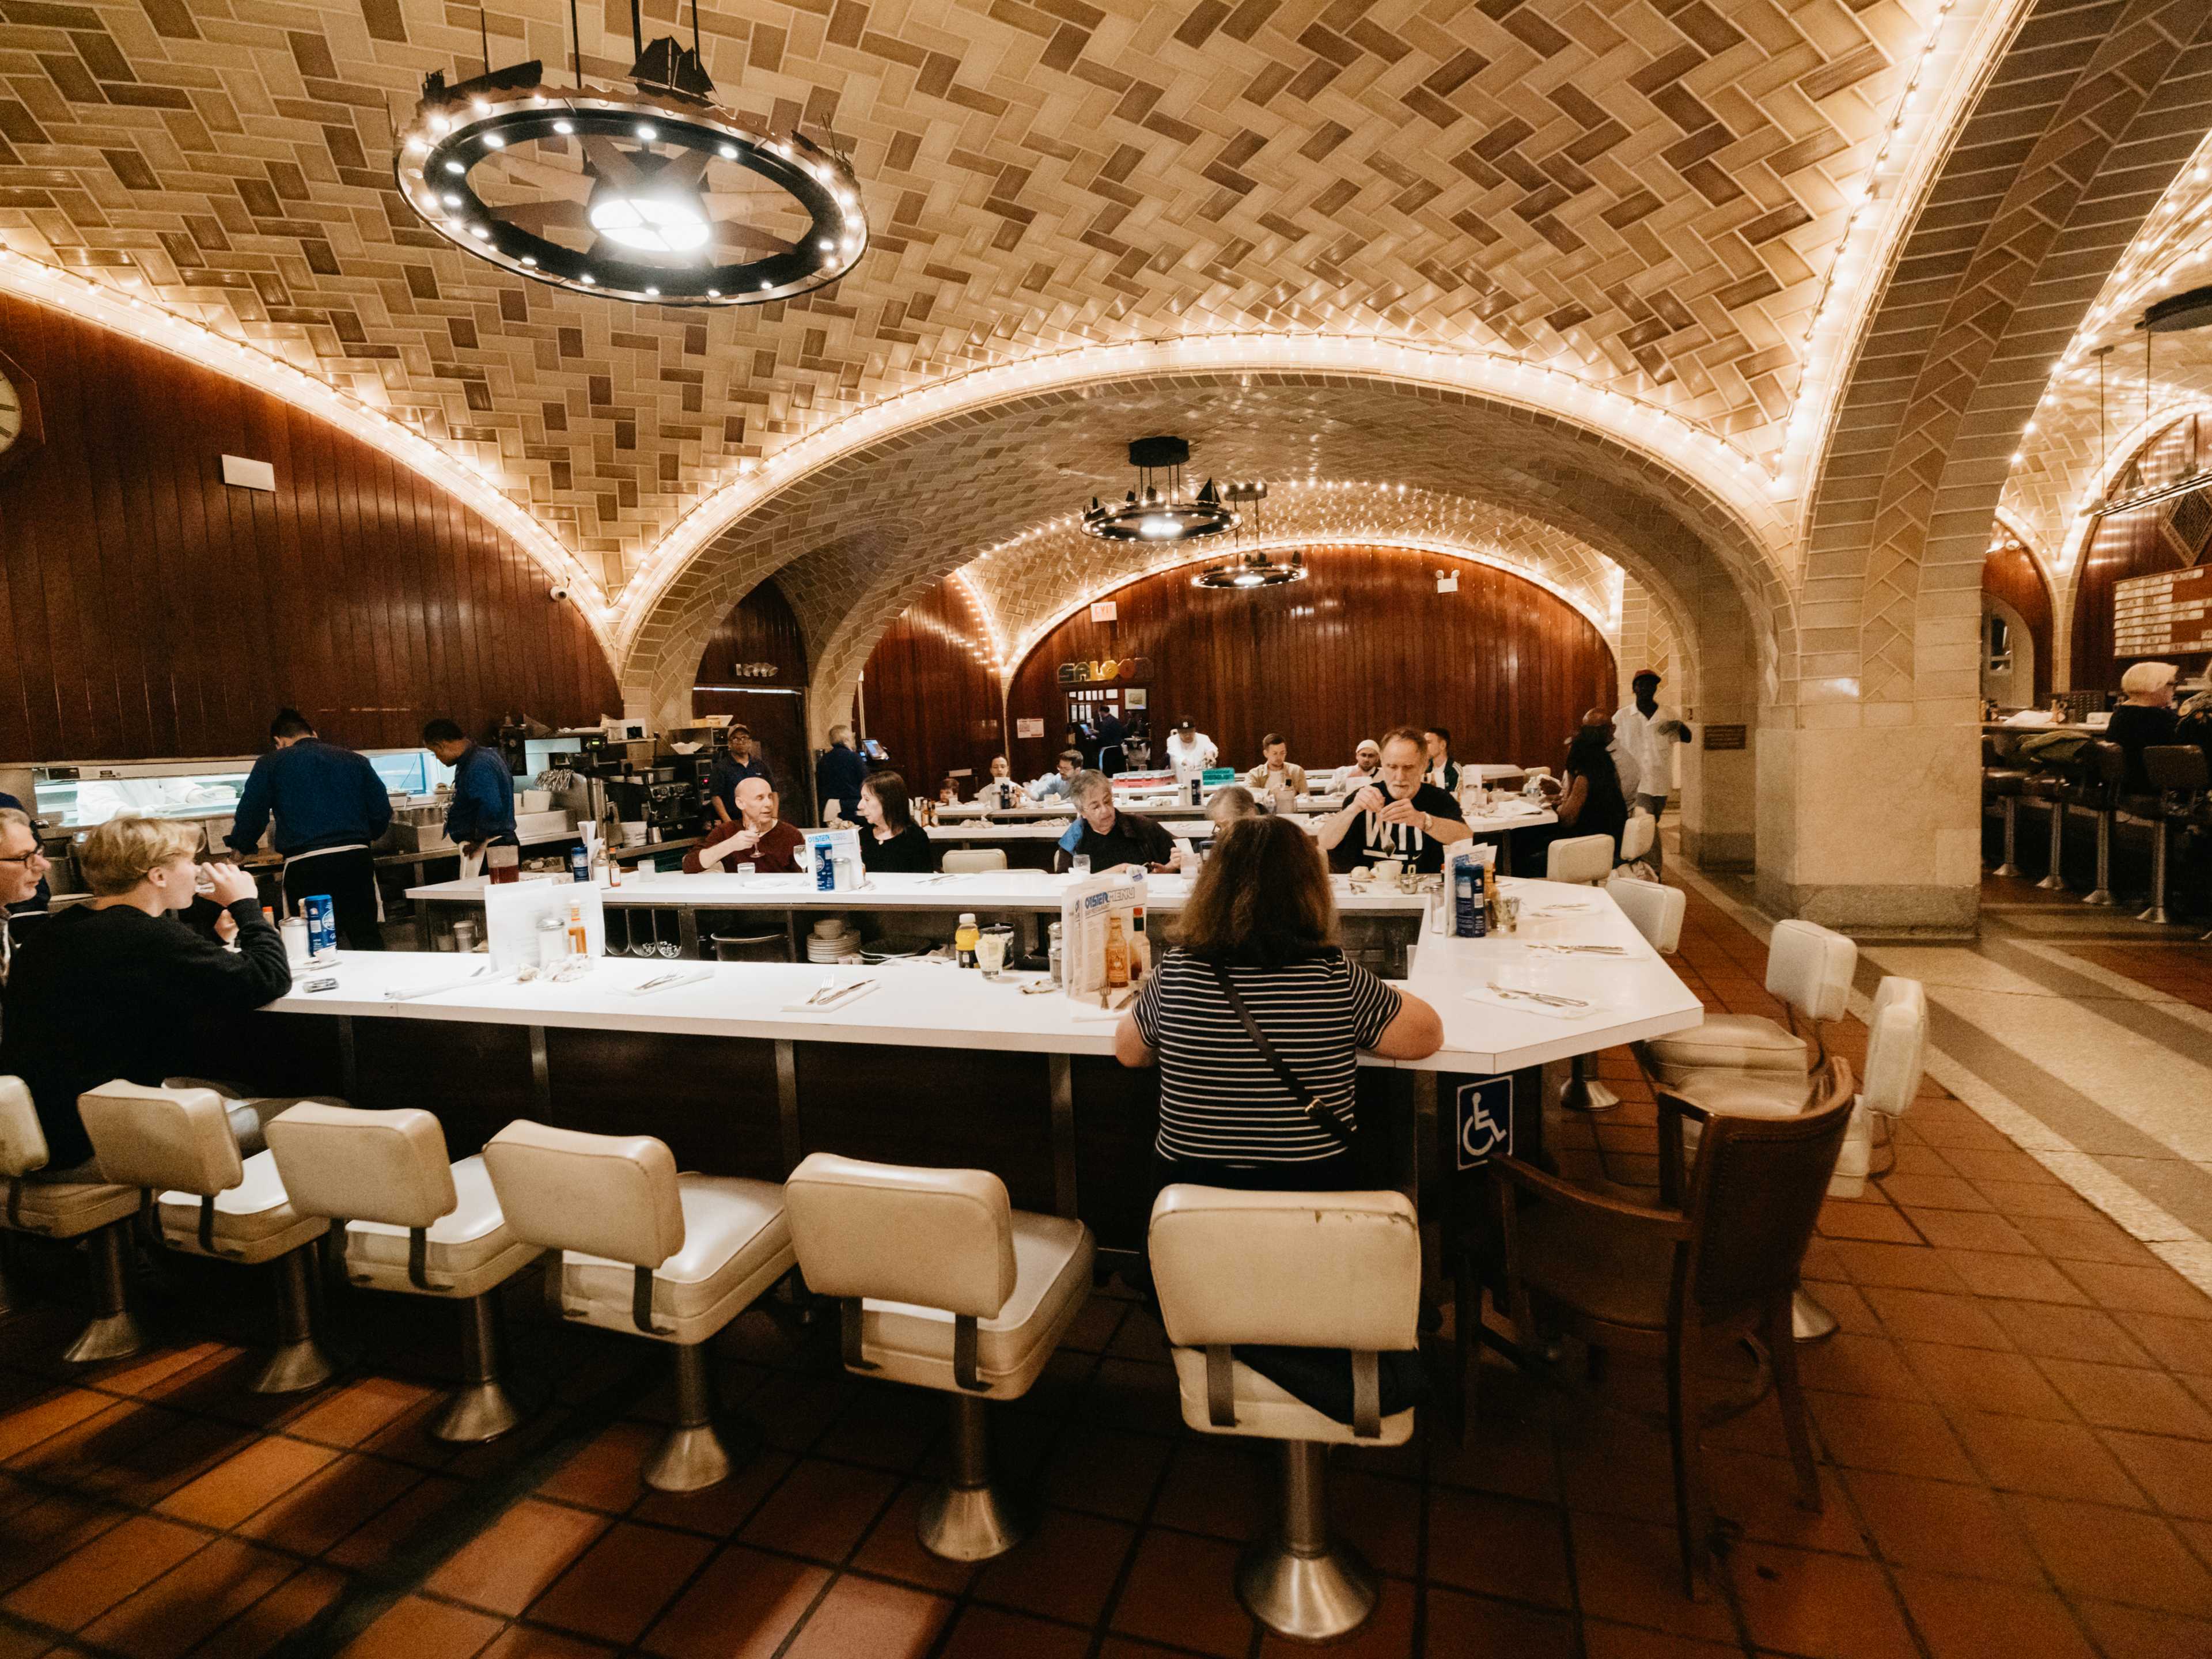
1324,1378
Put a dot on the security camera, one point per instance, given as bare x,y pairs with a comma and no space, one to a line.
557,593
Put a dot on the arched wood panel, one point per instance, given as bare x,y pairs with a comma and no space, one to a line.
1366,642
147,608
2139,542
930,700
2010,573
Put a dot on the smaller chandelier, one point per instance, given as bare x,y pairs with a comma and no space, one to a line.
1157,510
1253,570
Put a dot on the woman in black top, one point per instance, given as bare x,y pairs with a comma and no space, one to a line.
1261,917
1589,801
2147,718
890,838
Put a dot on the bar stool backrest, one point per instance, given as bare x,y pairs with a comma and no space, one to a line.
614,1196
1810,968
935,1238
972,861
1637,834
1656,910
388,1167
2175,768
1896,1045
2107,767
1303,1270
1583,859
23,1141
165,1139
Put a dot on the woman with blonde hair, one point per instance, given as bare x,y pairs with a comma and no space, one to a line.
119,987
1256,1020
2146,718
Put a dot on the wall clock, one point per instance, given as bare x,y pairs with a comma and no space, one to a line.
21,430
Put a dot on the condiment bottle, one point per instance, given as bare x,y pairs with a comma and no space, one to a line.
580,937
1140,947
964,937
1052,956
1117,955
552,941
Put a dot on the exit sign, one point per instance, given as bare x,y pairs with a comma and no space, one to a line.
1105,611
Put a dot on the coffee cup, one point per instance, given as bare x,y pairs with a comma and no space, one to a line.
1388,869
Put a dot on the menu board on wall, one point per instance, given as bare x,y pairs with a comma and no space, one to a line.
2169,614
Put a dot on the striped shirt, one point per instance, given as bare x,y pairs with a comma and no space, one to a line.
1219,1100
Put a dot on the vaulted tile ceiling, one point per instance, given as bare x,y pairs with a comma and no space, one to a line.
1649,195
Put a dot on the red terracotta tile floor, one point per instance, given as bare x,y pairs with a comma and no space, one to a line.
2014,1425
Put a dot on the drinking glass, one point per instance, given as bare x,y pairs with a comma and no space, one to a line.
1079,864
503,864
991,948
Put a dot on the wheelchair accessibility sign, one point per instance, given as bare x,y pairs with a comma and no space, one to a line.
1484,1120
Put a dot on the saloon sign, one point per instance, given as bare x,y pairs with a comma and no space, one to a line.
1107,668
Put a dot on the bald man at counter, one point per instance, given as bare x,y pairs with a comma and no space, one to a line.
756,837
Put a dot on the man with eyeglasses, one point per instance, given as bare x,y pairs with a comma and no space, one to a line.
22,871
36,898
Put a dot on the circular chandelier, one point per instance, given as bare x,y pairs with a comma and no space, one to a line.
1158,509
1253,570
648,191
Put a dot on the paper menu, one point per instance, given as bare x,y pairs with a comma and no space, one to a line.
840,848
1087,911
512,914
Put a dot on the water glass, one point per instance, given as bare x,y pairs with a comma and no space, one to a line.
1079,864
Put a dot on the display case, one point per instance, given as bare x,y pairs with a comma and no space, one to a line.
74,796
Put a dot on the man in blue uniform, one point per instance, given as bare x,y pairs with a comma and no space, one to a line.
732,768
329,805
483,813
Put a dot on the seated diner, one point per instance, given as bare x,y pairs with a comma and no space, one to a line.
1402,816
1107,837
757,836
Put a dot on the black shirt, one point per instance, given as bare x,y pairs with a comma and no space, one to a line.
907,853
2136,726
838,775
1132,840
723,780
99,994
1370,838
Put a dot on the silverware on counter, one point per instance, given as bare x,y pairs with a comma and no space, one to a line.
1545,997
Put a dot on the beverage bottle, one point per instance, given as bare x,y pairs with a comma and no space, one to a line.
963,939
1006,796
1117,955
1466,905
580,862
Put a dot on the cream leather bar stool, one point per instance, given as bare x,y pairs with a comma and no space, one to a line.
1810,969
1897,1053
649,1252
71,1209
1585,861
972,860
1657,911
1638,836
1302,1270
177,1143
412,1223
944,1285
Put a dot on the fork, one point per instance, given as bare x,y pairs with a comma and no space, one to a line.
1544,997
822,991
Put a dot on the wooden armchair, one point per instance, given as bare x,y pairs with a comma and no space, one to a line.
1663,1281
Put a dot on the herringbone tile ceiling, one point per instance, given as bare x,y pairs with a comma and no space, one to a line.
1646,193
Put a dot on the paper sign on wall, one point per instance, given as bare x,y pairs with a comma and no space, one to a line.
1029,727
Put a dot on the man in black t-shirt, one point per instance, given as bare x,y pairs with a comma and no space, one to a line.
1109,837
1401,818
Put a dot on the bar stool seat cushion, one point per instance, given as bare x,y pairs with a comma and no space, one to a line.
470,1249
737,1243
1052,1279
254,1221
1729,1093
1266,1411
1746,1042
67,1209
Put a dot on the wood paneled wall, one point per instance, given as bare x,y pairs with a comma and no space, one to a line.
2141,542
2011,574
930,700
149,610
760,628
1365,643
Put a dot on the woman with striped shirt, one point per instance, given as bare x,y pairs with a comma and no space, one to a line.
1260,931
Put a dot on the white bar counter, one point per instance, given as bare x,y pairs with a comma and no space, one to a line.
930,1004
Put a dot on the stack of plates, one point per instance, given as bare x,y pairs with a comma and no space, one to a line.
832,947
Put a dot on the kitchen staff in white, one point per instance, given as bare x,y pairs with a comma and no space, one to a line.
1647,732
1190,750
